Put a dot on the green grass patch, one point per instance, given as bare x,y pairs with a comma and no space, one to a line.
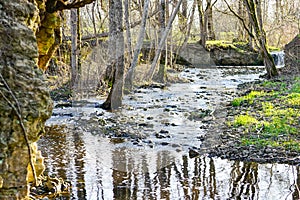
249,98
282,86
274,119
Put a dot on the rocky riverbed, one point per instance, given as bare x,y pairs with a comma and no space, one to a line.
164,143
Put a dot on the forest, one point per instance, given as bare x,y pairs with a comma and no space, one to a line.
149,99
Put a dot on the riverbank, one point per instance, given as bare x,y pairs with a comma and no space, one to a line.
260,125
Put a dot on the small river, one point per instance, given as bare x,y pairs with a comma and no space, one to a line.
148,156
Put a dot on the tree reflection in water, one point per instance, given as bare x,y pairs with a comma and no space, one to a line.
244,181
100,169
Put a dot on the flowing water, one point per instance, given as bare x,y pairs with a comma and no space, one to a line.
156,164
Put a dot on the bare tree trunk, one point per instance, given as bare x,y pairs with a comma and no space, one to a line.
242,14
162,23
162,42
114,99
254,11
182,16
210,24
202,22
127,24
255,17
74,58
78,51
189,26
94,22
137,51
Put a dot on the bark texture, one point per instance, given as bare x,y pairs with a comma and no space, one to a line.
115,69
24,102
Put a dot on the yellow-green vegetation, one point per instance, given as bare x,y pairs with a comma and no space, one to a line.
244,120
238,46
271,48
249,98
273,117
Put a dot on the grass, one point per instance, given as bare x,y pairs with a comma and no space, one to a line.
244,120
249,98
273,118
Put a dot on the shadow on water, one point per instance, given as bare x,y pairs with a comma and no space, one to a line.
99,167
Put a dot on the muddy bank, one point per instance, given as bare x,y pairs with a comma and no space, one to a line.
228,142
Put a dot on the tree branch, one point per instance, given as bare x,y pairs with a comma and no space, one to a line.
62,5
240,18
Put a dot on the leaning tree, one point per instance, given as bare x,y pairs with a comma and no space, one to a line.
255,16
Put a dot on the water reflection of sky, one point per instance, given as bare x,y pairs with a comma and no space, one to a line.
97,169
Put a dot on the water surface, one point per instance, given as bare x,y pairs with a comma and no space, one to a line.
100,167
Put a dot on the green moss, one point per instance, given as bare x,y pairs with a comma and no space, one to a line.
223,44
271,48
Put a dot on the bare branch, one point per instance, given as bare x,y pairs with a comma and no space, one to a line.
240,18
62,5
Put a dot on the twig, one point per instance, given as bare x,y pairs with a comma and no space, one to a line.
19,115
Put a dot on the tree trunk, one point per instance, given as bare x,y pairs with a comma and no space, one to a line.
127,24
210,24
241,29
114,99
189,26
254,11
162,23
78,51
94,22
137,51
202,22
162,42
74,58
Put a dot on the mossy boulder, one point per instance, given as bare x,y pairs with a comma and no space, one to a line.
25,103
233,54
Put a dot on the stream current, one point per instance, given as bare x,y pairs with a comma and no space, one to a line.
148,157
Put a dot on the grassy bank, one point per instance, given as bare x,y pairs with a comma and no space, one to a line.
268,115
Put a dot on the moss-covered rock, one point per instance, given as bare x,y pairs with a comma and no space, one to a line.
25,104
235,54
48,37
